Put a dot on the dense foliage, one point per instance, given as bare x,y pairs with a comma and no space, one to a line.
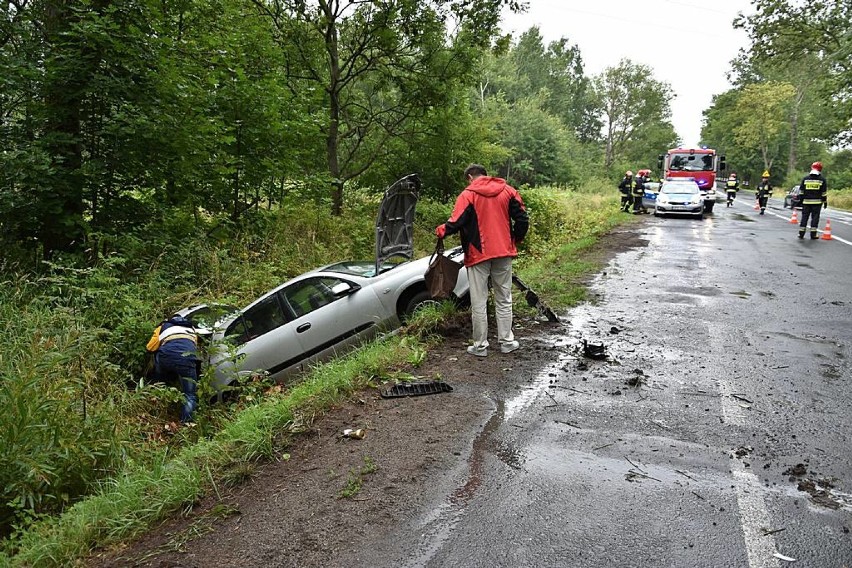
791,100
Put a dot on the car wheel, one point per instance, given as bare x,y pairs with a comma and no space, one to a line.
656,213
708,207
417,301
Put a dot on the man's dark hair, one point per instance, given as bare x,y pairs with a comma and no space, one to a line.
475,170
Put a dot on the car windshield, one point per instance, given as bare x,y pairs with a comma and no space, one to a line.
208,316
691,162
363,268
680,188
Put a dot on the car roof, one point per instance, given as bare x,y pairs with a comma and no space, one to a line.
395,221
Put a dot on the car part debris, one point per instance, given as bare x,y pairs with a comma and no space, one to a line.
355,434
593,350
534,301
780,556
418,388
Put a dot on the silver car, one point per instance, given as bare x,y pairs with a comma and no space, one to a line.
682,197
331,309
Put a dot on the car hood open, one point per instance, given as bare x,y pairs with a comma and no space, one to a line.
395,221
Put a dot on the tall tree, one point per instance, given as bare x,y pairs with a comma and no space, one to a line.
379,65
761,115
784,32
631,101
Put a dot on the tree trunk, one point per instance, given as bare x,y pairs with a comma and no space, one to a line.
62,206
332,142
793,156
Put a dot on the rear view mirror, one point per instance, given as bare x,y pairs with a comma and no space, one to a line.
660,160
343,289
722,164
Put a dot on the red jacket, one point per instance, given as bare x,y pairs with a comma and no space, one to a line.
490,218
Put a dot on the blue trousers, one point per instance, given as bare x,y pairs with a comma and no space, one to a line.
181,370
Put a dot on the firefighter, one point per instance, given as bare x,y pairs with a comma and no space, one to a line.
626,189
638,192
814,190
732,186
764,190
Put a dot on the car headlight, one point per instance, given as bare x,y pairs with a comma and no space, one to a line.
661,198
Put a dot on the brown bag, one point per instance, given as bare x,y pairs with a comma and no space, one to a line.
442,274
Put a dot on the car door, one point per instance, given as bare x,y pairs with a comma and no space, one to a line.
332,315
262,336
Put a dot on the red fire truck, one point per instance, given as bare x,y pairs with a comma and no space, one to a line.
700,164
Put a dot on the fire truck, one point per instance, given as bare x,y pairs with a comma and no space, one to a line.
699,164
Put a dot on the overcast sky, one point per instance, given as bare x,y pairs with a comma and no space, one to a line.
688,43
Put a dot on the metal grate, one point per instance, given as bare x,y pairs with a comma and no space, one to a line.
415,389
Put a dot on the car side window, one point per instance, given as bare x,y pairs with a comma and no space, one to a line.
312,294
261,318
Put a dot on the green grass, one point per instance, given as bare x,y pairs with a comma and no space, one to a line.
355,481
840,198
168,479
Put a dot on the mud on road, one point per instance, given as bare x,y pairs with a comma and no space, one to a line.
331,497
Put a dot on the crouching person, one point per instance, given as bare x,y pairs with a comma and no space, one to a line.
175,344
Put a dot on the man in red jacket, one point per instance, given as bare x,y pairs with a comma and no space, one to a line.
490,218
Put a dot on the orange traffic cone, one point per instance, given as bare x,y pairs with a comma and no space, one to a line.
794,220
826,234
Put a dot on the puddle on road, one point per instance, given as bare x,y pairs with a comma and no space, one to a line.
741,217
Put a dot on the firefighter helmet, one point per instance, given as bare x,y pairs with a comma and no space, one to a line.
628,173
765,173
817,166
733,176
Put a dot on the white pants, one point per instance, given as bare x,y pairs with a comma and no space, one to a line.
500,271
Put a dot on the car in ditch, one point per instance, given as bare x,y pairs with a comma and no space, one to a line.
679,197
332,309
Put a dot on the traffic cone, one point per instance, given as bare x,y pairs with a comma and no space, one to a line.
794,220
826,234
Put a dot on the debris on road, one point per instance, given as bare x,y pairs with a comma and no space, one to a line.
767,532
798,470
594,350
638,379
355,434
534,301
780,556
418,388
742,398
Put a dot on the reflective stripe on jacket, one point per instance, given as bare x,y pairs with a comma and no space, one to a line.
814,190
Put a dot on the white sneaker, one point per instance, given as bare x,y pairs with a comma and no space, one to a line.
509,347
478,351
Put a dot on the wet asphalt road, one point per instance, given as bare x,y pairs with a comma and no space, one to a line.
730,447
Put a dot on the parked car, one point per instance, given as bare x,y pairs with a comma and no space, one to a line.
680,196
331,309
793,198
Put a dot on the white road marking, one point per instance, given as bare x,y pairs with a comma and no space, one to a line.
753,513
